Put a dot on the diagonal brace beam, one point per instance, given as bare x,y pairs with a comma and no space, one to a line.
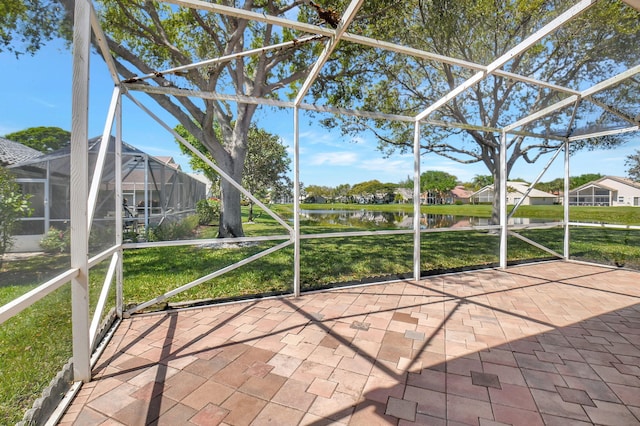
517,50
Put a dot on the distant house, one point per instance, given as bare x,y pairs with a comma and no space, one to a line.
606,191
315,199
13,153
515,192
153,190
458,195
403,195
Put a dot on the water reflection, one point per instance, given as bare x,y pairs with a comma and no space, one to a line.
392,220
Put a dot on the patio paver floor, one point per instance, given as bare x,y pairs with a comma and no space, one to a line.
551,343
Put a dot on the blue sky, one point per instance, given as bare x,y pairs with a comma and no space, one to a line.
37,92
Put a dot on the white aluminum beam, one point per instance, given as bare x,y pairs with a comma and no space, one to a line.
546,167
614,111
227,58
356,234
533,243
208,277
252,16
21,303
416,201
207,95
102,300
103,46
365,41
565,201
296,202
212,241
605,133
79,190
503,199
517,50
119,210
542,113
102,155
465,126
332,43
605,225
535,181
174,91
102,256
585,93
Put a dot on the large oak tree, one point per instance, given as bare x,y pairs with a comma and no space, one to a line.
147,36
591,48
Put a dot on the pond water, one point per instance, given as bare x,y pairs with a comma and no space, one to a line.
394,220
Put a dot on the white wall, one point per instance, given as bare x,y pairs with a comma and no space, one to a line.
629,194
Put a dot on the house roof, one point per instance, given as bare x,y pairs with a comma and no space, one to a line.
168,161
460,192
622,180
523,186
598,183
14,152
94,145
405,192
520,187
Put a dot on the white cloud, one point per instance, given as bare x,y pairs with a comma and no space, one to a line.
386,166
336,158
43,102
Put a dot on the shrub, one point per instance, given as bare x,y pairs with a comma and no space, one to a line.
207,211
13,205
169,231
55,241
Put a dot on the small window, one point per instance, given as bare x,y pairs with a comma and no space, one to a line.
621,200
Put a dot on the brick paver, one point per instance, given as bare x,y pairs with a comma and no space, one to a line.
550,343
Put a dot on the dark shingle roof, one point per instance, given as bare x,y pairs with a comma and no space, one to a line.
14,152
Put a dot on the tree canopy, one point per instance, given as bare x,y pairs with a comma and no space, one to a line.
583,52
437,181
372,187
633,165
43,139
26,25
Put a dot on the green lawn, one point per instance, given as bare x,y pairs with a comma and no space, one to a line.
35,344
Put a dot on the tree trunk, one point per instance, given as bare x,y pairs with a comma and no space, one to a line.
250,218
230,213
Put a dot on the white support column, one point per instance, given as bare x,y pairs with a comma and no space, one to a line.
296,201
416,202
119,208
565,202
503,200
147,209
79,191
47,199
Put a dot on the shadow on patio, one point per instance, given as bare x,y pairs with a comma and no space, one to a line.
550,343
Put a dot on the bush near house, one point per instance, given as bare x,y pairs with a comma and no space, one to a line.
13,205
55,241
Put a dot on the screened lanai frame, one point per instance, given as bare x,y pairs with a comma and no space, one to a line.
85,332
